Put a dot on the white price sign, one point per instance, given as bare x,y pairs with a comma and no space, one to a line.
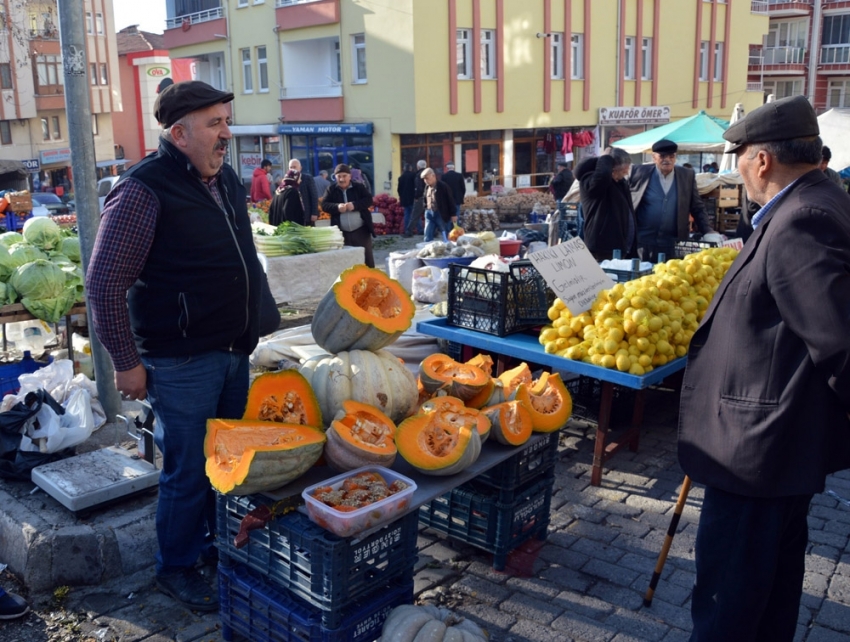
572,273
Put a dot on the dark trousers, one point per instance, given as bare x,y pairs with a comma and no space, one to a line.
414,226
361,237
750,557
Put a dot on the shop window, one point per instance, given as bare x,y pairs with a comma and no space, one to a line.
464,54
263,69
358,58
577,45
45,129
411,139
556,56
247,72
104,74
57,131
5,132
488,53
5,75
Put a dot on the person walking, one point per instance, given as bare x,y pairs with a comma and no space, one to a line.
456,184
348,204
406,189
174,290
766,390
286,204
260,184
418,199
664,195
439,206
309,195
322,182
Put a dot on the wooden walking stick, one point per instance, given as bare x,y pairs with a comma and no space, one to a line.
668,541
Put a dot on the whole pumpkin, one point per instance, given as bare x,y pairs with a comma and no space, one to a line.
434,624
377,378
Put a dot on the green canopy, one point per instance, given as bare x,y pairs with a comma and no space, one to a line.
699,133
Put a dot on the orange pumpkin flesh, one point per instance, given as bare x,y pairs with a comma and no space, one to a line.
483,396
360,436
252,456
284,397
462,380
511,421
549,402
483,361
511,379
436,447
451,411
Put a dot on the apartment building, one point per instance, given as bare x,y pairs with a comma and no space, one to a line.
33,127
805,52
504,88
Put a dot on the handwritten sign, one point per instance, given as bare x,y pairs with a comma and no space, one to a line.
572,273
738,244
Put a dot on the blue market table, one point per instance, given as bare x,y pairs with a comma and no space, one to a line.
527,348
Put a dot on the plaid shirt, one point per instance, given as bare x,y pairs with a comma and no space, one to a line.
127,230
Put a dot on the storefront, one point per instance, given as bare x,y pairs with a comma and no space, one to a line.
55,173
617,123
252,144
323,146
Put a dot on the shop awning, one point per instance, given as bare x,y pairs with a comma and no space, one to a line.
110,163
12,167
699,133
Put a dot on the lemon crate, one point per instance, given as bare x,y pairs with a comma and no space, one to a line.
497,302
480,519
683,248
532,463
324,570
254,610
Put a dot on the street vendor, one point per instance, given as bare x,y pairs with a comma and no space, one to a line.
766,390
348,204
174,288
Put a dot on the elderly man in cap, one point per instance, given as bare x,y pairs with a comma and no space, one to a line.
766,390
175,288
664,194
348,203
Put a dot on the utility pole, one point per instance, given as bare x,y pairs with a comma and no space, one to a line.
72,36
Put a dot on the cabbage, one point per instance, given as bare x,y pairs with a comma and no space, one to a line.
7,264
70,247
52,309
23,253
42,232
10,238
39,279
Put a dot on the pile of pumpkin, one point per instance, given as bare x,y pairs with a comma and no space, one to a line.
359,405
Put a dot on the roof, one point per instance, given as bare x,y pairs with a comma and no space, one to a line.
131,40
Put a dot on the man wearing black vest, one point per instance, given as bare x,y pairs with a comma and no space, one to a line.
663,194
174,287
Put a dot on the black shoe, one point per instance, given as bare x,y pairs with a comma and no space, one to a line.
209,558
12,606
189,589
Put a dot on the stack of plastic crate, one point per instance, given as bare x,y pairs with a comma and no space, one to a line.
294,580
503,507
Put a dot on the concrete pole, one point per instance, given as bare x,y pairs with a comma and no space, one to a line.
72,35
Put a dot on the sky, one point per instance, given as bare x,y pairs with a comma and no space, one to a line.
148,14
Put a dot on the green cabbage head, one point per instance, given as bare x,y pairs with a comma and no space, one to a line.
42,232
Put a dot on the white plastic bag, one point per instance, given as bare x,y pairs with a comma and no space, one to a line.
48,432
430,284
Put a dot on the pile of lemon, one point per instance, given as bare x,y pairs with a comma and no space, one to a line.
638,325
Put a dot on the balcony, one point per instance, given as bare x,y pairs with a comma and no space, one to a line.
759,6
297,14
755,86
47,33
778,8
195,28
835,54
311,91
784,55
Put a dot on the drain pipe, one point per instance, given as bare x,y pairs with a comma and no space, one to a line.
814,50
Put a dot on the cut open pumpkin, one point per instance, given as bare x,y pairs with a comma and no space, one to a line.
511,379
285,397
364,310
453,411
252,456
461,380
511,422
361,435
548,400
434,445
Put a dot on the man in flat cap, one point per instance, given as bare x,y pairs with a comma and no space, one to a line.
766,390
174,288
664,194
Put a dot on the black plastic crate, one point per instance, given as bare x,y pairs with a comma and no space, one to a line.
314,564
683,248
480,519
531,463
497,302
255,610
586,393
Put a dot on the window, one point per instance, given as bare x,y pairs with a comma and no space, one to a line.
718,61
488,53
464,54
93,73
835,44
247,72
837,94
104,74
556,56
703,60
45,129
89,23
358,58
646,59
242,3
5,75
629,59
48,76
263,69
95,127
577,46
57,132
784,88
5,133
98,21
336,71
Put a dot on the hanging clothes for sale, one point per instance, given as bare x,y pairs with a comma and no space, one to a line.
567,143
549,142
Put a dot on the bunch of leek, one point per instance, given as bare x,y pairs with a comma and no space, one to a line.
289,239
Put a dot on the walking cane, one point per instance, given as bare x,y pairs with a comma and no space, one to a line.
668,541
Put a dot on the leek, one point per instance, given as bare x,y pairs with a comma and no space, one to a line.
290,239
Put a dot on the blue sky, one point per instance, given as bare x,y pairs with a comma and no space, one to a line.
149,15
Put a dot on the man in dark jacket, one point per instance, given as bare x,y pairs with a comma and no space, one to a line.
766,391
418,199
348,203
174,288
439,206
561,182
606,204
406,191
309,195
456,184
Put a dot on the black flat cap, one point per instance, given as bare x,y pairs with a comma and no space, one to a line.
342,168
179,99
782,119
664,146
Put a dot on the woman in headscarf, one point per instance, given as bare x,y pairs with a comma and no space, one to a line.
286,204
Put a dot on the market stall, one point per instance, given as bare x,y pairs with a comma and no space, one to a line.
308,276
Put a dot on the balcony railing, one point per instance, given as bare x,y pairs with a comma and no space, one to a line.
759,6
784,55
832,54
287,3
194,18
755,86
755,60
311,91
